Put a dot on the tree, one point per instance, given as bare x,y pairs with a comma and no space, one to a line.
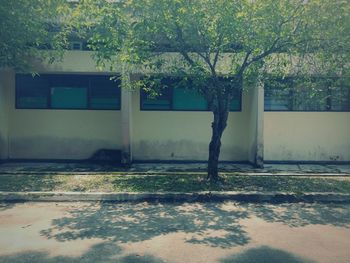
27,28
219,45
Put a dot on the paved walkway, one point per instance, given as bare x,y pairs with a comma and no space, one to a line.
175,233
8,168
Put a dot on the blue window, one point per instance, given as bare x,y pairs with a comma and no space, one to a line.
64,91
291,94
31,93
69,98
176,98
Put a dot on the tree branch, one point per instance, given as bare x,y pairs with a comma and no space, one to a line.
245,63
265,53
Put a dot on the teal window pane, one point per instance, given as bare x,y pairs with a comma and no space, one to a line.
156,104
160,102
235,104
184,99
68,98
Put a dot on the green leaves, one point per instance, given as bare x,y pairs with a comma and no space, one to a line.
204,39
29,26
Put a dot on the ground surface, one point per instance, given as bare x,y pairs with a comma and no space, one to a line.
27,167
190,232
172,178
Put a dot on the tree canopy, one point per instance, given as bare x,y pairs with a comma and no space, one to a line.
216,45
236,40
27,27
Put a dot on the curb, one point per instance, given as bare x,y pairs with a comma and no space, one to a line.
254,197
168,173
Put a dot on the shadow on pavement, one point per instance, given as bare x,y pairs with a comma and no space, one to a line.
213,224
105,252
303,214
7,205
265,254
134,222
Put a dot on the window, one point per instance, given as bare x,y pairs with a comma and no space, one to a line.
51,91
104,93
163,101
32,93
68,98
292,94
188,100
181,99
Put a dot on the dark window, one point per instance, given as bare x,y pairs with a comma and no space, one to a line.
161,101
104,93
236,104
31,92
58,91
176,98
292,94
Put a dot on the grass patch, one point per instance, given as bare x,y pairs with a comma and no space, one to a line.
170,183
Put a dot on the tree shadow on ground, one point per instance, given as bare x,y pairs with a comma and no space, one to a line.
212,224
265,254
7,205
303,214
104,252
204,223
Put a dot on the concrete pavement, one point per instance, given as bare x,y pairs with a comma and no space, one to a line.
86,168
174,232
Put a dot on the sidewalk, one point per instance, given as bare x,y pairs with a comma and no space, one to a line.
173,182
156,168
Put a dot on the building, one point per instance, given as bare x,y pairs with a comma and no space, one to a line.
65,115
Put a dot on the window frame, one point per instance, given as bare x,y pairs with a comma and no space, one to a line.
143,95
49,98
292,91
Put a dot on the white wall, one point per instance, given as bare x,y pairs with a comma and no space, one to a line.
72,62
307,136
62,134
163,135
4,105
185,135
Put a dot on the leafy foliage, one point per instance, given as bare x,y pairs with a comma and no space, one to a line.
205,41
27,27
216,37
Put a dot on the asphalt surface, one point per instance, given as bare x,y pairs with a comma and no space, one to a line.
174,232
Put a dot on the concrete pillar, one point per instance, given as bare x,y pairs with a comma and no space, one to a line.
126,126
5,78
259,154
256,156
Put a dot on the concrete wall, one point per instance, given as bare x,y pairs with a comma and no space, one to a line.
307,136
62,134
5,76
72,62
163,135
185,135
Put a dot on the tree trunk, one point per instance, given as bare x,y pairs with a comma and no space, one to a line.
218,127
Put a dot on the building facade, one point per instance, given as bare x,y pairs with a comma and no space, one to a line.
73,110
